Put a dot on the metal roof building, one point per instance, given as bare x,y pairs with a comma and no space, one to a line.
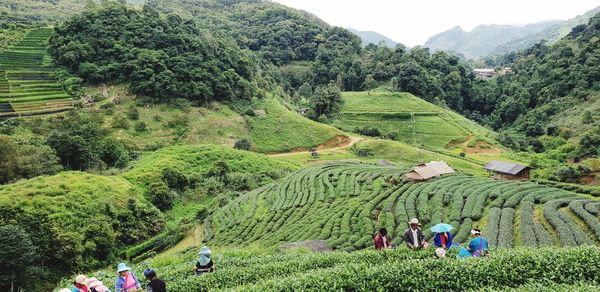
429,170
508,170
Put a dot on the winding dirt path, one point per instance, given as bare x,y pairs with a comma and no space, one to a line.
327,147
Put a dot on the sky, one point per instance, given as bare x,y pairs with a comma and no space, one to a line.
413,22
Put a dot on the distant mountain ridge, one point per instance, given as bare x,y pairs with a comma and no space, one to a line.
491,39
550,34
372,37
483,39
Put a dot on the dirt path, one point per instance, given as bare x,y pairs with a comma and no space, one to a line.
193,239
324,148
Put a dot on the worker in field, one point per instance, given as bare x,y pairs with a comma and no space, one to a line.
478,245
442,240
155,284
382,240
413,236
127,281
204,264
96,285
79,284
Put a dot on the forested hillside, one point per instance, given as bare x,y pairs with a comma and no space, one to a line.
140,166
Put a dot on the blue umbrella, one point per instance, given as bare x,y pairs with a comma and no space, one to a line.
441,228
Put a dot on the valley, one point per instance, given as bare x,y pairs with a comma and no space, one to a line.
140,131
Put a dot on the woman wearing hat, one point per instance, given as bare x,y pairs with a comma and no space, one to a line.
96,285
204,263
79,284
127,281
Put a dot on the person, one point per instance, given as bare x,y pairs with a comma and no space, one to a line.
127,281
382,240
96,285
478,245
79,284
443,240
155,284
413,236
204,263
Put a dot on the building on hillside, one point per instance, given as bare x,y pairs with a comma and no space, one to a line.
484,73
508,170
429,170
303,111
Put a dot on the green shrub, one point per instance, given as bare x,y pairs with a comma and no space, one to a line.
141,126
133,113
243,144
161,196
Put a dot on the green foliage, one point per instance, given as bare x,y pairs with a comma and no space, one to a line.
161,196
195,162
243,144
169,64
17,255
281,130
26,160
76,220
326,100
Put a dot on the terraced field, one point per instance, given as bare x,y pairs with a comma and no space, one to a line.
344,203
27,83
415,120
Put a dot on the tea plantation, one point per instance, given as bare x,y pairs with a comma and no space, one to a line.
344,203
414,120
28,85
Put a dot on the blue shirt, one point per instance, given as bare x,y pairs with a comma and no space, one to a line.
478,243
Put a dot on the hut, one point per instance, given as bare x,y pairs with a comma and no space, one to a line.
508,170
429,170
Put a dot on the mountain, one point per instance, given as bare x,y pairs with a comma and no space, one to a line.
483,39
371,37
550,34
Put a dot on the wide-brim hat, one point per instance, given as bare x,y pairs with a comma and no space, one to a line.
205,250
414,221
94,283
122,267
80,279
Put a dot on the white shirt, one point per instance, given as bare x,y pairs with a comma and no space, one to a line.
415,237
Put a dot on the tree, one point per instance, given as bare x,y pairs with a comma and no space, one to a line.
16,256
161,196
327,100
369,83
305,90
8,159
587,117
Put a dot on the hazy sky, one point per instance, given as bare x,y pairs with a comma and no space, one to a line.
413,22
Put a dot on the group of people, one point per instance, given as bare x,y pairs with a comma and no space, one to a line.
442,241
128,282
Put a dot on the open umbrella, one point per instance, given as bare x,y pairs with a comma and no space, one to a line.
441,228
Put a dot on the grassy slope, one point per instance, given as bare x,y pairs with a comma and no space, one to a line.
282,130
274,129
432,125
70,196
196,160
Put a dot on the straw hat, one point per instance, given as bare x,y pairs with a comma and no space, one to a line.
414,221
80,279
64,290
